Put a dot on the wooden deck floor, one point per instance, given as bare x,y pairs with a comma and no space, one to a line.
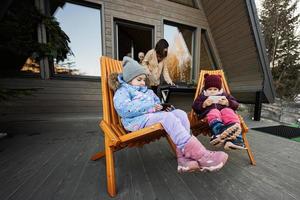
52,162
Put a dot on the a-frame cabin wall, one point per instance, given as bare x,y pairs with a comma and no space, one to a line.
231,30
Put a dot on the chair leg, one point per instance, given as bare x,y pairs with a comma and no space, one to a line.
97,156
172,145
110,169
250,154
100,155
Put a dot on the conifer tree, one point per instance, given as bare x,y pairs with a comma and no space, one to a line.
279,23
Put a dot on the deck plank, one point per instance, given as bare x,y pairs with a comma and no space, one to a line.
177,187
139,179
123,175
156,176
28,180
55,165
61,178
202,187
34,182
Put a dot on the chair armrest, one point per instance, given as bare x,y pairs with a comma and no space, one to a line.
141,133
108,132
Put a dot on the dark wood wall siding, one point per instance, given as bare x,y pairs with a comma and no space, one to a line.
230,28
51,98
204,60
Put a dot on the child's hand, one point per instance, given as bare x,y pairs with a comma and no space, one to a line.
224,101
158,107
207,103
169,109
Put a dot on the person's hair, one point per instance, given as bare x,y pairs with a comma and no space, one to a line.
160,46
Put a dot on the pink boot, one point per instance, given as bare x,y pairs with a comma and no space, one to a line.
186,164
207,160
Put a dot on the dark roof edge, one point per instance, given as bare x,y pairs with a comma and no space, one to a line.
4,6
268,87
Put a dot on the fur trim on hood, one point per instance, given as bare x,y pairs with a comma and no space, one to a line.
113,82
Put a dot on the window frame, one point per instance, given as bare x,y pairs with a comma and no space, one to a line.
133,24
196,5
80,77
194,42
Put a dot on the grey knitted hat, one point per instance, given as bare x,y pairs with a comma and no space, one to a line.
132,69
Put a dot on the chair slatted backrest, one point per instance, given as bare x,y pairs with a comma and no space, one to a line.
211,72
110,115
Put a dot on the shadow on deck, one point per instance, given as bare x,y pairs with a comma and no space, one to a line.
52,162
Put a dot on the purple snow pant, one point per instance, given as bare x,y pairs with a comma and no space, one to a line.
176,124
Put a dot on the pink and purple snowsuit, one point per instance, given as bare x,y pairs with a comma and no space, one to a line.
217,112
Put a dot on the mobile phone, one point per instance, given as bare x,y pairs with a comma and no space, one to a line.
167,105
216,99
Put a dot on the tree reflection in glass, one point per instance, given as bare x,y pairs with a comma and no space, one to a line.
83,26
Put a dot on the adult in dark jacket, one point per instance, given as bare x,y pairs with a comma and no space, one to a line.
219,109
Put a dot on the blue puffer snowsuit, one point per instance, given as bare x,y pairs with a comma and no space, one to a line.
133,103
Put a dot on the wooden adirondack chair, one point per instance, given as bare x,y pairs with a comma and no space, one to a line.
200,126
115,136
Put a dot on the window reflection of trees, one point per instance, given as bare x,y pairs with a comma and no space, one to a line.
85,42
67,67
30,66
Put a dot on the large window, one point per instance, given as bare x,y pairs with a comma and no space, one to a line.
181,39
132,38
83,26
